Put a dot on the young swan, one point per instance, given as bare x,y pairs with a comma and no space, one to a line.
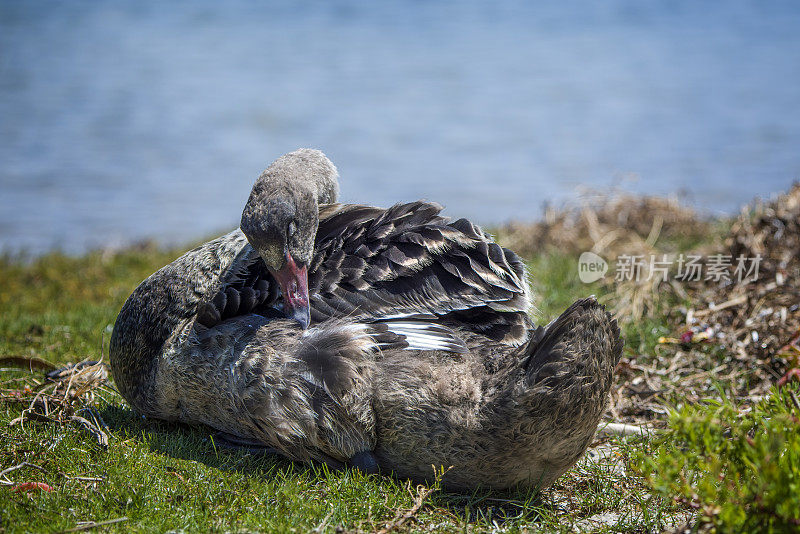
419,350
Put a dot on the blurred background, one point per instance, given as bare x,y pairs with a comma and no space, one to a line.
129,120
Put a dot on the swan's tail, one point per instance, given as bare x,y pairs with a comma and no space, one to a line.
568,375
580,348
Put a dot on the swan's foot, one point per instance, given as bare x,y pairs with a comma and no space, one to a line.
365,461
229,441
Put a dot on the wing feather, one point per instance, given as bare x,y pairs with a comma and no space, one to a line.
408,259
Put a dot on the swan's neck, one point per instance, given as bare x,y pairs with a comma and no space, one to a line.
162,310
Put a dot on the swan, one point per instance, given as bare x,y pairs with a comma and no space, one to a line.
389,339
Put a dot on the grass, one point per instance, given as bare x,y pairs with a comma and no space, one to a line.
155,476
740,470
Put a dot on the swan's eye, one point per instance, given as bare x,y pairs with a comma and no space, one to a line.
292,227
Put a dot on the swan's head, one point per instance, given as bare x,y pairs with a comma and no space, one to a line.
281,218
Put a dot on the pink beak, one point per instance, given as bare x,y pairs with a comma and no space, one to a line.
294,287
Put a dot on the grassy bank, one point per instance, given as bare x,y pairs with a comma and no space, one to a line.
723,452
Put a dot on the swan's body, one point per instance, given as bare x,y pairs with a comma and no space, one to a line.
419,351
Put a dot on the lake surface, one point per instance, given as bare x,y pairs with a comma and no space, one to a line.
128,120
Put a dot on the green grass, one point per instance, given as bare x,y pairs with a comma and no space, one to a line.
171,477
739,469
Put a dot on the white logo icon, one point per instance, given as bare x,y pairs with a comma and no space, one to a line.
591,267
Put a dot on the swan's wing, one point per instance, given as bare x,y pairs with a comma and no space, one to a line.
408,260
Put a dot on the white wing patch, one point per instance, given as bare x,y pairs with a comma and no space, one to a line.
422,335
415,335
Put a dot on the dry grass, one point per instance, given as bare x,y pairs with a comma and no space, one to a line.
64,395
608,224
759,321
714,336
613,226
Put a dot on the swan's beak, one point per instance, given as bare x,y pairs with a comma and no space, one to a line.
294,287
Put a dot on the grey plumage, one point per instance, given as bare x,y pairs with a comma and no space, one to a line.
492,414
419,351
284,198
371,262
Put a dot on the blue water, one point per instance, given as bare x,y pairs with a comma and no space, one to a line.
140,119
